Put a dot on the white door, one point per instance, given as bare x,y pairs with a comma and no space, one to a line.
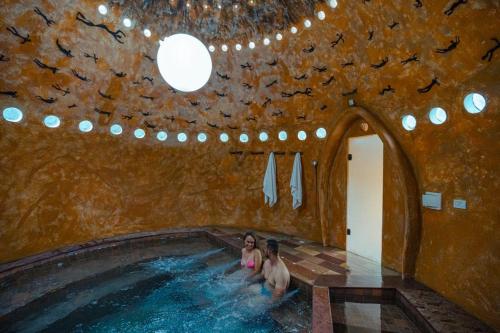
365,174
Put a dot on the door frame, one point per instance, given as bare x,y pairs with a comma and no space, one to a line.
412,221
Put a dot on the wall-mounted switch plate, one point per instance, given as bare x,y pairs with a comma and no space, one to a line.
432,200
460,203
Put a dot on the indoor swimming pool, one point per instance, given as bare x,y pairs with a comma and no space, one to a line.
189,288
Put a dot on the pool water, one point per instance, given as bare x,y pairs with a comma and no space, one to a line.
192,293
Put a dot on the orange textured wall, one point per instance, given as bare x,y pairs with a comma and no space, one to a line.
59,186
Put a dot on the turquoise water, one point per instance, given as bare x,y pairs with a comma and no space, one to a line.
176,294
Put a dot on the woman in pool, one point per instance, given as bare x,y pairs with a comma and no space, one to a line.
251,258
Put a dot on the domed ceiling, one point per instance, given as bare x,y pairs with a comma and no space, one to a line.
65,58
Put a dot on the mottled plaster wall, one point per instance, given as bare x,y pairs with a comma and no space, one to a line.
61,187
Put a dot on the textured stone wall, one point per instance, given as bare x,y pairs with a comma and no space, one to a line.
60,186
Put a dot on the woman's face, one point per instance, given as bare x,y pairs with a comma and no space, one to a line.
249,243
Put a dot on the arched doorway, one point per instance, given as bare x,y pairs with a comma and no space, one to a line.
405,179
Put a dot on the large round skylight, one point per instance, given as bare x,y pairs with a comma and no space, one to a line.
12,114
52,121
184,62
85,126
263,136
161,136
116,129
437,116
409,122
139,133
224,137
321,133
474,103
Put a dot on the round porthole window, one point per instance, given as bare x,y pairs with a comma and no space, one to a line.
211,48
139,133
147,32
224,137
251,45
279,36
85,126
238,47
307,23
437,116
161,136
321,15
116,129
127,22
184,62
293,30
202,137
103,10
321,133
409,122
52,121
302,135
263,136
12,114
332,3
282,136
244,138
182,137
474,103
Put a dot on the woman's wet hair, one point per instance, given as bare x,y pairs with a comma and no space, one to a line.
273,246
251,234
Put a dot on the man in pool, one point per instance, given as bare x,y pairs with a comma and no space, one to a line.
274,271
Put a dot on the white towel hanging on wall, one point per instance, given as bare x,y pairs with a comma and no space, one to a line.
270,192
296,182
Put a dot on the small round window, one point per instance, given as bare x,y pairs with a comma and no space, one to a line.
52,121
263,136
85,126
182,137
302,135
293,30
202,137
161,136
409,122
474,103
321,133
282,136
332,3
139,133
437,116
224,137
13,115
321,15
116,129
244,138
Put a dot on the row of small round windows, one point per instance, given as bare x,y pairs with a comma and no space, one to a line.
473,103
51,121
